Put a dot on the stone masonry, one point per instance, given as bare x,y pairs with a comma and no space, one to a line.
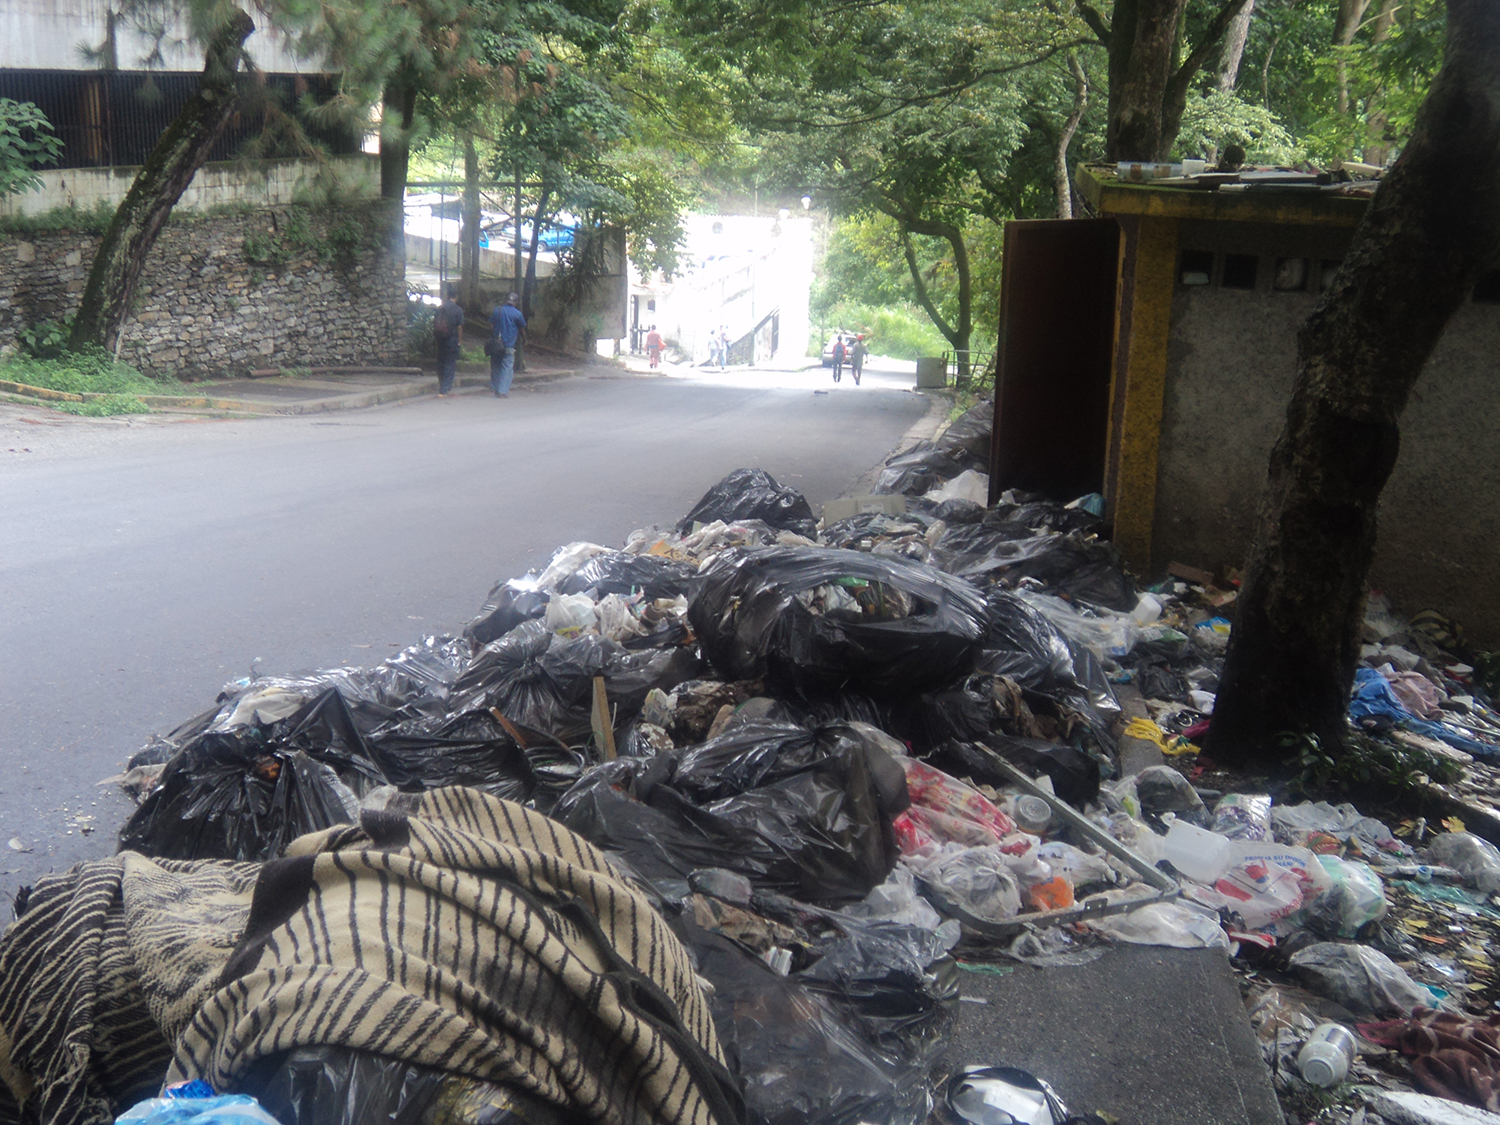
225,294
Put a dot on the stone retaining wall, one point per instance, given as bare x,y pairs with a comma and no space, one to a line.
278,287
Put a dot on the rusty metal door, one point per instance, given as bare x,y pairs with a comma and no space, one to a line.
1058,298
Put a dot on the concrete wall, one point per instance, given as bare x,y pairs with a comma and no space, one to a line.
53,34
1231,363
326,291
263,183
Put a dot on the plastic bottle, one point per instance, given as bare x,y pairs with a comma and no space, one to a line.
1200,855
1325,1057
1032,814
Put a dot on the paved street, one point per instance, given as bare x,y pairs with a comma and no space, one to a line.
145,562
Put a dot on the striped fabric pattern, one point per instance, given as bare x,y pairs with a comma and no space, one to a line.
467,933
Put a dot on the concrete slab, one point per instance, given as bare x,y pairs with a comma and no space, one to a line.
1152,1035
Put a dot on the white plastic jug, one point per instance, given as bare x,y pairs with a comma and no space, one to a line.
1200,855
1325,1057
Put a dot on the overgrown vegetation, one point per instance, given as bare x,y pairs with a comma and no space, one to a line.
91,371
71,219
337,239
1363,761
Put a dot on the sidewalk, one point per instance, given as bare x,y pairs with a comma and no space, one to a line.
315,394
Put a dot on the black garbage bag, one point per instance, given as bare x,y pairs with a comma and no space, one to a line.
820,620
1078,568
1024,645
1074,774
971,431
921,469
959,512
753,494
227,798
535,678
1018,520
1159,681
508,605
802,1046
615,572
797,812
333,1085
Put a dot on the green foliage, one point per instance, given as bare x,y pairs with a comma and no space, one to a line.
901,331
105,407
45,339
1364,760
95,220
26,143
331,235
419,315
1214,119
90,370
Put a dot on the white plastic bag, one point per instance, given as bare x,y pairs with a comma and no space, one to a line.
571,614
1476,859
1357,897
976,880
897,900
1268,882
1177,924
968,485
617,619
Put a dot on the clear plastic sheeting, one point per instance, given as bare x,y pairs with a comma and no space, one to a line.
915,628
1364,980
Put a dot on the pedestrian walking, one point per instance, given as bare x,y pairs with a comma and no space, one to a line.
723,348
653,346
506,326
839,354
713,348
857,357
448,334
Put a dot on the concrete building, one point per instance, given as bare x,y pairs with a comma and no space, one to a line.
752,275
1150,353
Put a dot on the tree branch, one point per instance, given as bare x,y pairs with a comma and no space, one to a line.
1096,23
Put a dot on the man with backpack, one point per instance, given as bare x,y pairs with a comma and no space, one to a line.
448,334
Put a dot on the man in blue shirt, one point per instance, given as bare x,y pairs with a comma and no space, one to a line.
506,323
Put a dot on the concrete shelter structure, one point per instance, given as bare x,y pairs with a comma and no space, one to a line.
1150,354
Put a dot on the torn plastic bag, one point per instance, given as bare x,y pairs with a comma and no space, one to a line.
1019,520
508,605
615,572
814,823
1109,636
1476,859
901,628
970,485
1160,789
896,900
330,1085
803,1055
1176,924
918,471
753,494
1356,898
1364,980
959,511
1243,816
974,882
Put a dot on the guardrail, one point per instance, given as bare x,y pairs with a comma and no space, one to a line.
978,363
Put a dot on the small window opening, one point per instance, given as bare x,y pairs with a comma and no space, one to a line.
1291,275
1197,267
1239,271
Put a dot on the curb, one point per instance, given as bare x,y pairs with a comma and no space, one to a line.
330,404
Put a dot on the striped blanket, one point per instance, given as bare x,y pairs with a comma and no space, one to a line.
464,933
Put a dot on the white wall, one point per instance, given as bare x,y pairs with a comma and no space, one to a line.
48,35
266,183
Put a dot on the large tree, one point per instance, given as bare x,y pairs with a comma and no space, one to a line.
173,162
1432,229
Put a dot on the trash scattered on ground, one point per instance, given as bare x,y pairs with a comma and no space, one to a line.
823,765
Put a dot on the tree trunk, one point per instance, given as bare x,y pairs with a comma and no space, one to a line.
398,114
1146,95
1234,47
1064,182
958,334
1134,129
468,247
1344,27
1432,229
182,150
528,290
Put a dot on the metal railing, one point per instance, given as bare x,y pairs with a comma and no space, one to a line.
981,365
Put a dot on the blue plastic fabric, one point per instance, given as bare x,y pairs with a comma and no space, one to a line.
197,1088
226,1109
1374,698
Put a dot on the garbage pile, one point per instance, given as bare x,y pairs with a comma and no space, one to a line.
831,759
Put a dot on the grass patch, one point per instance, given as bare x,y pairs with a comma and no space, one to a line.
94,220
94,370
105,407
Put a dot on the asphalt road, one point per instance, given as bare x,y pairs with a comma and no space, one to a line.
146,562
